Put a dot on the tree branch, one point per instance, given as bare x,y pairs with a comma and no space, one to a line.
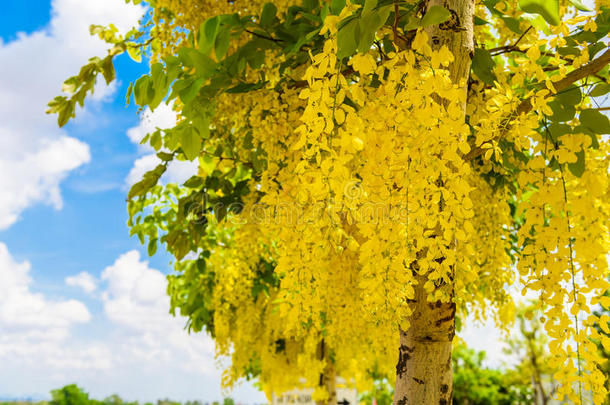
525,106
508,48
256,34
299,84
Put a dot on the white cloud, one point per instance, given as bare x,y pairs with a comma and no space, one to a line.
162,117
133,346
34,177
177,172
83,280
135,298
30,316
35,155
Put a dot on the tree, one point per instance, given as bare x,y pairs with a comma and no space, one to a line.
529,345
603,328
69,395
370,170
473,384
477,385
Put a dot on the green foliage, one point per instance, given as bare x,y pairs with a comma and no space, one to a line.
548,9
483,64
605,353
77,87
382,393
69,395
72,394
474,384
183,217
530,346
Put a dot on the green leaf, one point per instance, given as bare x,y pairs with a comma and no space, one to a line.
208,163
570,96
595,48
556,129
579,5
203,64
245,87
194,182
152,247
584,130
548,9
368,27
107,69
578,168
483,64
178,243
561,112
268,15
190,142
435,15
128,94
207,34
336,6
513,24
600,90
595,121
190,91
540,24
70,85
159,84
480,21
222,43
134,53
346,39
141,91
369,5
148,181
155,140
164,156
65,113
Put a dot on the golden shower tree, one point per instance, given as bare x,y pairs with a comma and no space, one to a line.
369,172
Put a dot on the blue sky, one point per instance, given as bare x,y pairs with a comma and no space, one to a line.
80,301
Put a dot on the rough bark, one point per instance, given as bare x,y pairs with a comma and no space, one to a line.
424,373
328,378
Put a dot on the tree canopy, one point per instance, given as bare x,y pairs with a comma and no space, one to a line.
357,160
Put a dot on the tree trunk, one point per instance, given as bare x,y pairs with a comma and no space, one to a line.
424,374
328,378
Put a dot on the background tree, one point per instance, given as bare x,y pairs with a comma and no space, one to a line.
529,345
393,159
69,395
475,384
603,328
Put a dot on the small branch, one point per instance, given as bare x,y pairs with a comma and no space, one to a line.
381,53
397,36
513,47
603,109
256,34
525,106
299,84
589,69
396,19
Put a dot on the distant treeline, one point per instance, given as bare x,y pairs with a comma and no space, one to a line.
74,395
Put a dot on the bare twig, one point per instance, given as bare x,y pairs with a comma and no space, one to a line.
509,48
